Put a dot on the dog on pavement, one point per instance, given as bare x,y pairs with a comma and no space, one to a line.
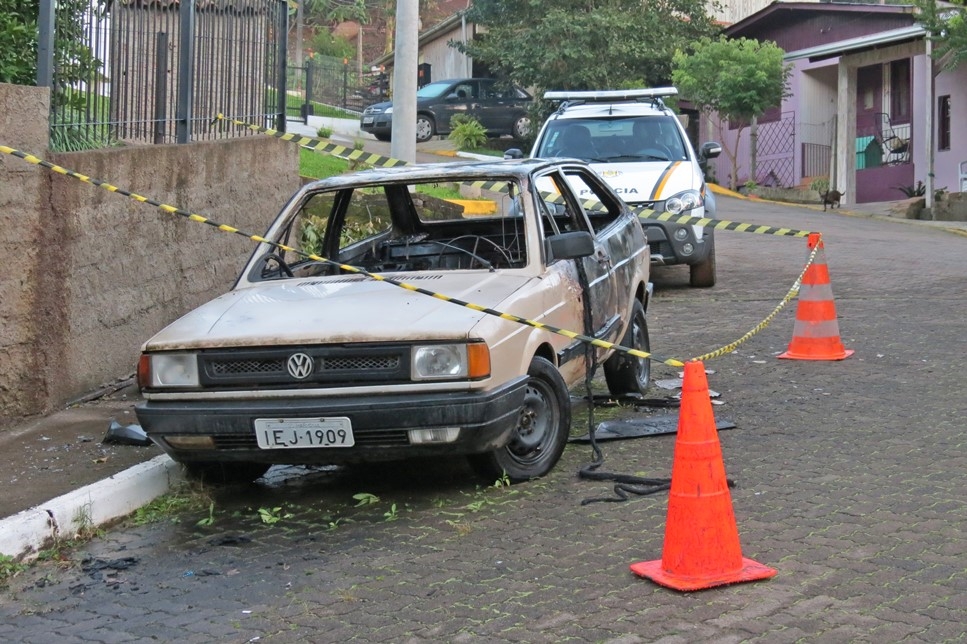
831,198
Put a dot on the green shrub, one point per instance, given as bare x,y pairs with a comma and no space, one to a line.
820,185
324,132
918,190
467,132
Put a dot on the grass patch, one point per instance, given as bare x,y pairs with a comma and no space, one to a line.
319,166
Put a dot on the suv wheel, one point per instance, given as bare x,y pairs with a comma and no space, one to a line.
627,374
541,433
424,128
703,275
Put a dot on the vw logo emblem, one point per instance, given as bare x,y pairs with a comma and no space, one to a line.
299,366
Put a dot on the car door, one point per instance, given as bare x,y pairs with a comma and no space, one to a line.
487,107
570,216
458,99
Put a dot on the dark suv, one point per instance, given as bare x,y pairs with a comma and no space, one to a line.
501,108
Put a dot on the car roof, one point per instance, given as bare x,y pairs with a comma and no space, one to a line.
497,169
620,108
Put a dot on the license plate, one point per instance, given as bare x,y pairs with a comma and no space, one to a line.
367,120
291,433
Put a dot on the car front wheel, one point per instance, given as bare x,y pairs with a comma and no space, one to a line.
627,374
522,128
424,128
541,433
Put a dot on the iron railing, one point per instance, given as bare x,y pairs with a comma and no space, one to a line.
139,71
326,85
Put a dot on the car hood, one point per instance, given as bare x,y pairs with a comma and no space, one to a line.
349,308
657,181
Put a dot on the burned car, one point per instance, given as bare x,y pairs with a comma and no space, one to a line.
377,322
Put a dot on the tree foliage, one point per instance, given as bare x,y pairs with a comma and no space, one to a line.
18,33
732,80
948,27
583,44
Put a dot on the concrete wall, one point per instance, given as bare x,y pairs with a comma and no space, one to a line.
88,275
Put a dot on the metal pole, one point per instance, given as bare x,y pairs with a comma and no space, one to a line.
186,76
281,67
403,146
45,44
928,129
160,87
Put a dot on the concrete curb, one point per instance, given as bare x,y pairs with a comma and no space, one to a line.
26,532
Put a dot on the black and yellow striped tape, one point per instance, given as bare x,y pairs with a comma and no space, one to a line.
348,268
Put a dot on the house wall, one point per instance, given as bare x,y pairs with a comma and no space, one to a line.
447,62
947,162
92,274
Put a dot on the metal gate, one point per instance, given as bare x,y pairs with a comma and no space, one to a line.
775,152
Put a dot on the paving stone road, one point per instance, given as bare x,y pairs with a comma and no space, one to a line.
850,481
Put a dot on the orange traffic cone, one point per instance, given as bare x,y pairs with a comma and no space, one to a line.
701,540
816,333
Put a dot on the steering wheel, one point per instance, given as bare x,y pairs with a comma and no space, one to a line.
657,151
473,253
283,267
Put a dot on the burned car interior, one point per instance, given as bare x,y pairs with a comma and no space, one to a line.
408,227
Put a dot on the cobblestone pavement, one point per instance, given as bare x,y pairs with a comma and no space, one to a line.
850,479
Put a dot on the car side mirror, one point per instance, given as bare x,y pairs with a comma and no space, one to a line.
569,245
711,149
513,153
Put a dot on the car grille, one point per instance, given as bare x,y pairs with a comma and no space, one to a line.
331,366
362,437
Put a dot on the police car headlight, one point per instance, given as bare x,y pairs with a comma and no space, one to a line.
683,201
450,361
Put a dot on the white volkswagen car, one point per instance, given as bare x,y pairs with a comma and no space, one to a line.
382,317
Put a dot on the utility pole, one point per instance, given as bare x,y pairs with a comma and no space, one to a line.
403,146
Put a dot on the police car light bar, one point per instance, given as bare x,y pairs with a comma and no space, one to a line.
605,96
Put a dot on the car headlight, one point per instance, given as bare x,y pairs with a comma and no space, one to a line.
683,201
450,361
168,370
388,110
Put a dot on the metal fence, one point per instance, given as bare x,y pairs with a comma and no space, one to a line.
326,85
159,71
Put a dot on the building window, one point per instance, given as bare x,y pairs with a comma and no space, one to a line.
900,91
943,123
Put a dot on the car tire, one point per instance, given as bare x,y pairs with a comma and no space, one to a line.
702,275
625,374
522,127
541,433
383,137
425,128
221,473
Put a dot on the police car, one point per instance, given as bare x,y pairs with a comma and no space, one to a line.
638,145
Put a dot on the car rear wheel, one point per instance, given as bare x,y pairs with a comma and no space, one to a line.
703,275
424,128
627,374
383,137
228,472
541,433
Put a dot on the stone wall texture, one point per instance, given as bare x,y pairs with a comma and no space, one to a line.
88,275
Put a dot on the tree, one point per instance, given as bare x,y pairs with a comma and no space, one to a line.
732,80
580,44
18,33
948,28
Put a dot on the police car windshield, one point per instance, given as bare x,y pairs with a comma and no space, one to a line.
614,140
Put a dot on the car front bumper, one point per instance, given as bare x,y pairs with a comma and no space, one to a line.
376,124
669,246
380,425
